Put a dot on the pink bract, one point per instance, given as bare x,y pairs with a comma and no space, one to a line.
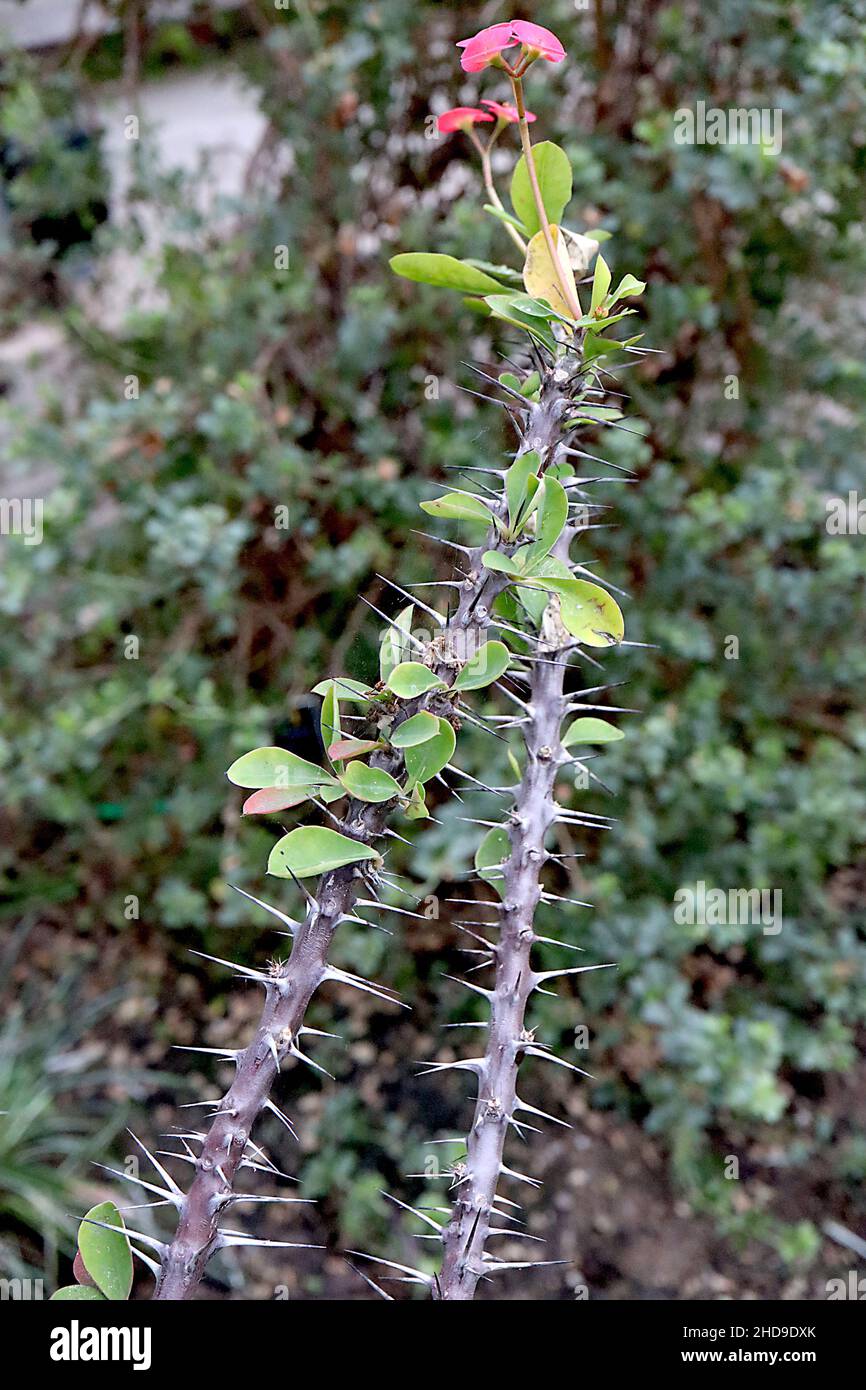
485,47
540,40
460,118
505,111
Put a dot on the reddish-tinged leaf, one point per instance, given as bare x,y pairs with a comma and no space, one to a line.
79,1269
275,799
351,748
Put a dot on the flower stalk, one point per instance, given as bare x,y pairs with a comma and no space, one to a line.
568,294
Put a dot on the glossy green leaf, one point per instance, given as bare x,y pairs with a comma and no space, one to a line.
600,283
553,168
275,767
628,287
410,679
416,809
415,730
551,517
78,1293
517,485
592,615
329,717
106,1254
431,268
369,783
588,611
396,646
459,506
485,667
314,849
587,729
492,560
426,759
511,309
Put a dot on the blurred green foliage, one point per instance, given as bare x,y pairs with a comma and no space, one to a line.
330,390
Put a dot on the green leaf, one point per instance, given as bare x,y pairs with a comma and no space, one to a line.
491,854
552,516
590,730
415,730
77,1293
505,273
106,1254
410,679
509,308
504,216
492,560
596,346
275,767
459,506
554,179
431,268
485,667
355,691
517,484
627,287
591,615
417,807
369,783
428,758
588,611
314,849
395,644
329,717
600,283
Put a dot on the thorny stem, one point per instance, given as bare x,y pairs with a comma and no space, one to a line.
287,996
466,1235
568,295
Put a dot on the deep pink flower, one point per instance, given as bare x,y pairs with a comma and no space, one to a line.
485,47
461,118
505,111
539,40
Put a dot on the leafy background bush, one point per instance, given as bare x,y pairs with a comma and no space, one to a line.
334,392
